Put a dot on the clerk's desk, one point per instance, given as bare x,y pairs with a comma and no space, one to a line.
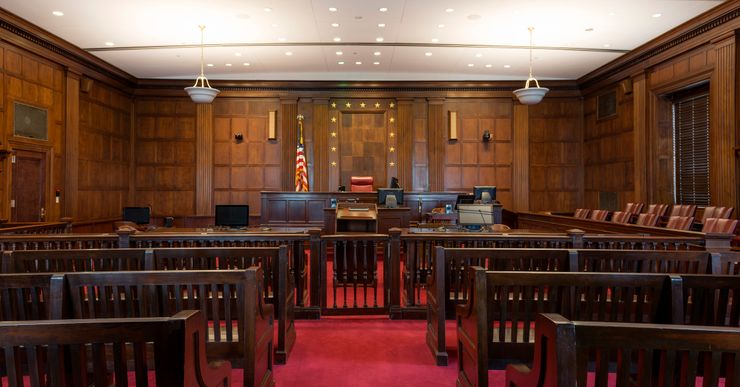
385,219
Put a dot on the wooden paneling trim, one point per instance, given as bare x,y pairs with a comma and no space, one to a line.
435,143
320,144
641,136
72,144
723,124
204,160
289,136
405,129
520,178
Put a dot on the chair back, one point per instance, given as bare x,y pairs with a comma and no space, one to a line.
599,214
581,213
621,217
647,220
717,212
680,222
634,208
683,210
719,225
361,184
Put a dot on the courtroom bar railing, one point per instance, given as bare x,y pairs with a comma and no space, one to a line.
11,228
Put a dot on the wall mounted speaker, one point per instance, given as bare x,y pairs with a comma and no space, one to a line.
452,125
626,85
86,84
271,125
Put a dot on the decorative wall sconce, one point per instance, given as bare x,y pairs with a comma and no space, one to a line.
452,126
238,137
271,125
486,135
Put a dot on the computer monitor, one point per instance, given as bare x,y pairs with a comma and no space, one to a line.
475,215
232,215
138,215
394,182
480,191
383,194
464,199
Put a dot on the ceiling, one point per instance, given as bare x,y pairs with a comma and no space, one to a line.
378,40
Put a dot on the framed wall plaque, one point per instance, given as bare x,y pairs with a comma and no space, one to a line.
30,121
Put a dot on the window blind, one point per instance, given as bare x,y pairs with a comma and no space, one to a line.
691,149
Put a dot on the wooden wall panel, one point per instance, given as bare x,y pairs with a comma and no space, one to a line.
555,155
165,158
723,183
420,154
104,158
469,161
320,133
243,169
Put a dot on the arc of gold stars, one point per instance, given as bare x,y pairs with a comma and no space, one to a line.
392,120
348,105
362,104
377,105
392,105
392,164
333,134
333,163
334,119
392,134
392,149
334,104
333,149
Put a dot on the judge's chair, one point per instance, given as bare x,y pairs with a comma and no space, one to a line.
361,184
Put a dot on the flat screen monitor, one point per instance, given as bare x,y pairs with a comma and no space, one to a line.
479,193
138,215
232,215
475,214
383,193
464,199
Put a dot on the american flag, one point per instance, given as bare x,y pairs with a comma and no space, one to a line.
301,169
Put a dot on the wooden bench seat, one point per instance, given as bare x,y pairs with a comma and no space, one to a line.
238,322
634,354
516,298
57,352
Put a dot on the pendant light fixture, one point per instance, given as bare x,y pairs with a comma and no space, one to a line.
531,95
202,93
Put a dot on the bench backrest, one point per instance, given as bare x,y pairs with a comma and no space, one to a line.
710,300
25,296
644,261
49,261
729,263
56,351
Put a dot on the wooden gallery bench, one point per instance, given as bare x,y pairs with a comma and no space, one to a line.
56,352
60,261
448,288
646,354
497,323
238,322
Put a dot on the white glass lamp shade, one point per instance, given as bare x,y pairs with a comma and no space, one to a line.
531,95
202,94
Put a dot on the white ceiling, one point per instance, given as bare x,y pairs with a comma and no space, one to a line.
476,38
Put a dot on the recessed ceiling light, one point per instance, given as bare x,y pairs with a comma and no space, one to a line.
109,44
358,63
376,53
339,53
247,64
488,66
267,9
440,26
381,25
507,66
228,65
478,55
288,53
607,45
612,14
58,13
428,53
340,62
657,15
435,40
448,10
337,39
335,25
210,65
383,9
237,54
376,63
332,9
378,39
471,65
589,29
281,39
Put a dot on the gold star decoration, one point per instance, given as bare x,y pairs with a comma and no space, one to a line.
392,134
392,120
392,149
333,149
333,163
334,119
392,164
392,105
333,134
348,105
377,105
362,104
334,104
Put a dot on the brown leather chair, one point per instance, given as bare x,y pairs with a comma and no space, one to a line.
581,213
599,214
634,208
719,225
621,217
680,222
361,184
717,212
657,209
683,210
647,220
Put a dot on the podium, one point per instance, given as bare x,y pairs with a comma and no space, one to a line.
356,217
352,259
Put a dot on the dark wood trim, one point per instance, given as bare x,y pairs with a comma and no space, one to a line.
405,130
289,138
71,144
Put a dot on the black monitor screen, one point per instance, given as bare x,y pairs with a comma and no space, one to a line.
232,215
478,191
385,192
138,215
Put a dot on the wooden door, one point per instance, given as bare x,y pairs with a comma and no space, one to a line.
362,144
28,186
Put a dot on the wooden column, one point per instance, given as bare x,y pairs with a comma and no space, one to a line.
204,160
723,116
289,139
435,145
520,178
405,132
71,145
641,137
320,150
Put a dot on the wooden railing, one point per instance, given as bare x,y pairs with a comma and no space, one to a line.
62,226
